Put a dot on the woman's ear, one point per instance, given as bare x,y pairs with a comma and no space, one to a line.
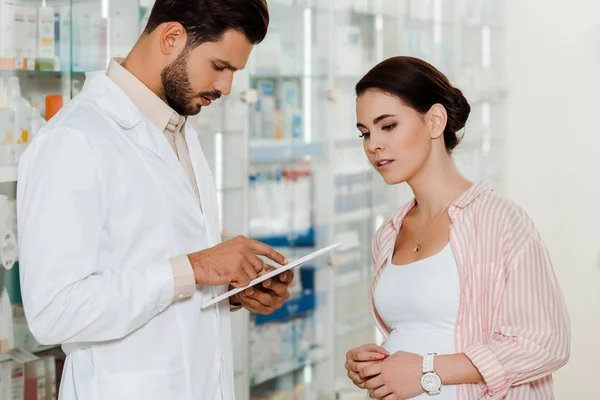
437,117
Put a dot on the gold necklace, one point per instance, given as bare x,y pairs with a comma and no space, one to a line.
418,247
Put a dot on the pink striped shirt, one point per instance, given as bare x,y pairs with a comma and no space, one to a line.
512,321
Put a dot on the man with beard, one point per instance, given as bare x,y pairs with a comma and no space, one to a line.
118,217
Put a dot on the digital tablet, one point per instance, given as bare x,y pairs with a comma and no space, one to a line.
273,273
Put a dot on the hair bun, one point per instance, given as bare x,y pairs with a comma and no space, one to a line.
460,112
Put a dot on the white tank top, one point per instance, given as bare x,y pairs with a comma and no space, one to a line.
419,303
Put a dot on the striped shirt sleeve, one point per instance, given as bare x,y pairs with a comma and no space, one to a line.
375,248
533,334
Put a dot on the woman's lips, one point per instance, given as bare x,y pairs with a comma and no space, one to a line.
384,164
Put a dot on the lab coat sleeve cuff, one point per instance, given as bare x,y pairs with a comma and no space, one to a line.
234,307
183,277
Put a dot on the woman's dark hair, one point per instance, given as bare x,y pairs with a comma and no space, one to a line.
420,85
207,20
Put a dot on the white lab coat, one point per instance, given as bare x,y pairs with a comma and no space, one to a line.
103,203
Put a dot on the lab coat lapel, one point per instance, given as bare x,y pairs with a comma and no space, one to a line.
155,141
135,126
206,187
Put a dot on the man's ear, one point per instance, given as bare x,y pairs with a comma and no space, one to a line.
173,39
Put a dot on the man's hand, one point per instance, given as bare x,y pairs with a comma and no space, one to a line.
361,357
266,297
398,377
234,262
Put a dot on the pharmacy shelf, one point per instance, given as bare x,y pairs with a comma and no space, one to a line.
347,391
360,323
38,350
359,215
41,349
315,356
281,151
224,189
8,174
277,76
24,72
352,141
291,309
295,239
3,346
491,97
348,279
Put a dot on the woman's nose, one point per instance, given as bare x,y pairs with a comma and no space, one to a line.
374,145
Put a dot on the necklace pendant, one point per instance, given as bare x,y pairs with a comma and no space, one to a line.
417,249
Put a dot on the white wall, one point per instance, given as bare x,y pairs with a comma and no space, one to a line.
553,158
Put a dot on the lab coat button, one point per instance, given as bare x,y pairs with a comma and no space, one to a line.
181,296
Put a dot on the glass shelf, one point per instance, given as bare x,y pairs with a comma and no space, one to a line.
282,151
284,76
287,367
18,72
8,174
36,351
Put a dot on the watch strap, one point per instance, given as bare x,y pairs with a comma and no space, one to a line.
428,363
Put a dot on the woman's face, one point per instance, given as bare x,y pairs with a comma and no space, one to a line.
397,139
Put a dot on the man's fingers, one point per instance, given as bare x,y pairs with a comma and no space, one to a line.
286,277
247,274
265,298
257,264
278,288
249,302
242,277
255,305
265,250
269,282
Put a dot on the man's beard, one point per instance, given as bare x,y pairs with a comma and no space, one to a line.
178,89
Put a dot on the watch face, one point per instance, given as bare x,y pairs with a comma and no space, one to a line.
431,382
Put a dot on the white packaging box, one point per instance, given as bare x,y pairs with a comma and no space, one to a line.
7,39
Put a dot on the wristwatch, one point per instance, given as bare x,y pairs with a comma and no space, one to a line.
430,381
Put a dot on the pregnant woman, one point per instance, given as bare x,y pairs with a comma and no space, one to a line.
464,293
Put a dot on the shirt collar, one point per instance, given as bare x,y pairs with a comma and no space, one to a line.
461,202
150,105
472,193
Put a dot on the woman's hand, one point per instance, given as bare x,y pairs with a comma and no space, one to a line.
398,377
361,357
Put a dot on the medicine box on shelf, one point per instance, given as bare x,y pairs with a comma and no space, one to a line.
290,309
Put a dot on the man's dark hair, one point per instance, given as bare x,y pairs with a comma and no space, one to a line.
207,20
